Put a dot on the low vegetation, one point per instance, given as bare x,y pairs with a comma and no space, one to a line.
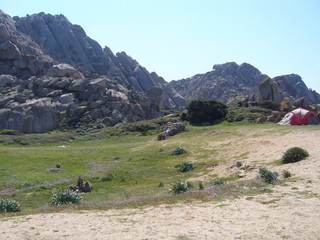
186,166
178,151
180,187
8,205
67,196
294,154
125,168
268,176
202,111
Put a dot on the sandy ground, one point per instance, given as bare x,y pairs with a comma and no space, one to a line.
291,211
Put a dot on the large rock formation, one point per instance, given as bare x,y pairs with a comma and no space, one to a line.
68,43
19,54
269,90
53,75
224,81
293,87
229,79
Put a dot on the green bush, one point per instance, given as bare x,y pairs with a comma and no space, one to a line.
7,205
246,114
9,132
286,174
218,182
58,165
108,177
180,187
186,167
201,111
178,151
239,164
294,154
268,176
65,197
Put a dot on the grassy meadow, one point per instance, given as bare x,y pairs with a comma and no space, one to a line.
121,167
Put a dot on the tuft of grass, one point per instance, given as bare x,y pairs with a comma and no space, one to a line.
108,177
294,154
8,205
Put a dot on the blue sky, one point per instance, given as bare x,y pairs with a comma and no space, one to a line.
181,38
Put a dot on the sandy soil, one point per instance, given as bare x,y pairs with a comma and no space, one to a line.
289,212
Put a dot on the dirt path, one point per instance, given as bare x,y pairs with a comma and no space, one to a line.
289,212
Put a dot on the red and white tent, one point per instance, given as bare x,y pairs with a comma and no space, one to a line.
300,116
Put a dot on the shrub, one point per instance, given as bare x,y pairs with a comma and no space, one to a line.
7,205
180,187
286,174
161,184
218,182
9,132
58,165
201,111
294,154
239,164
178,151
268,176
65,197
108,177
246,114
201,187
186,167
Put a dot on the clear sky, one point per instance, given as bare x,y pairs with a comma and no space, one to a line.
181,38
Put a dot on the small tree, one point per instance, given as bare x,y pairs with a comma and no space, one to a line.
201,111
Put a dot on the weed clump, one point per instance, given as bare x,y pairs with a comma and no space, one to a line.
8,205
239,164
178,151
268,176
286,174
186,167
294,154
67,196
180,187
108,177
218,182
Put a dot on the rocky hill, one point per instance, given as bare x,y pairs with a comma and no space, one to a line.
226,80
52,74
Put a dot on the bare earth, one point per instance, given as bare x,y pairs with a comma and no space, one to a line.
289,212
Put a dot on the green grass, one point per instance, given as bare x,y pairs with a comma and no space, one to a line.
136,162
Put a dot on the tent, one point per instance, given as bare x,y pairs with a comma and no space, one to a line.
300,116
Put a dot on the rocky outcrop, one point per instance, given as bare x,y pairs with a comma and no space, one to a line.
38,105
81,187
229,79
223,82
64,70
55,76
19,54
293,87
68,43
269,90
171,129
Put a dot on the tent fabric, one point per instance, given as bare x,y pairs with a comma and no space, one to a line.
300,116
